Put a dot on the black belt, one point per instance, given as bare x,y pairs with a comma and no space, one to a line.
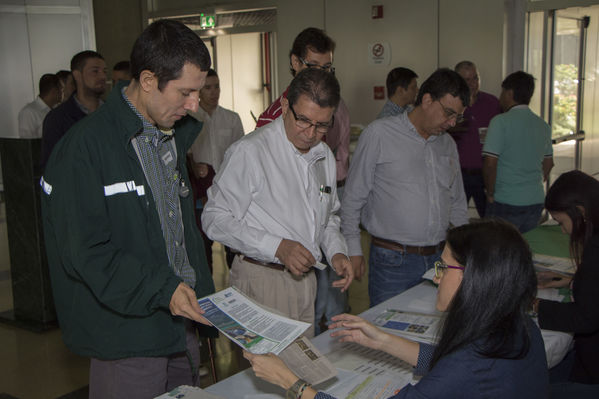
410,249
275,266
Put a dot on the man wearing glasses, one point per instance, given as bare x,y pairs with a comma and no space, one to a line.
275,201
405,187
312,48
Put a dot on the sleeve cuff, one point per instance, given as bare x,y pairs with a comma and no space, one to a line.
354,246
425,356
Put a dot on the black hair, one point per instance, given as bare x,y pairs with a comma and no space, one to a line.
47,82
571,192
164,47
399,77
122,66
489,309
313,39
522,84
212,72
319,86
63,75
78,61
444,81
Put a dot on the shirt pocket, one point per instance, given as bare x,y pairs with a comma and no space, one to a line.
446,171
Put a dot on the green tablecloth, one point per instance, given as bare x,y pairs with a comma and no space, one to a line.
548,240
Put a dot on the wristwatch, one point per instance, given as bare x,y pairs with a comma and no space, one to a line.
294,391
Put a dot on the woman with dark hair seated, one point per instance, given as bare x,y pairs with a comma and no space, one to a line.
488,348
573,201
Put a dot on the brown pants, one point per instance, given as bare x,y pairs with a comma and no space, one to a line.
145,377
290,295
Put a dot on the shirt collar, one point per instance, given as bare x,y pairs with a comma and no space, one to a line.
314,154
82,107
404,118
149,130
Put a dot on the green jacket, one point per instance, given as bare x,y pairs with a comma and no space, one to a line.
109,269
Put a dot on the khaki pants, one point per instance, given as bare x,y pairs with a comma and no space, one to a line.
290,295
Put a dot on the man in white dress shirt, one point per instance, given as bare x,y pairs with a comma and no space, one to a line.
222,127
275,201
32,115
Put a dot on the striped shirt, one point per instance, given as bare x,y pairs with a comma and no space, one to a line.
157,155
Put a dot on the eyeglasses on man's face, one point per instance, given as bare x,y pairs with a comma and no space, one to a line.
326,67
450,113
441,266
304,123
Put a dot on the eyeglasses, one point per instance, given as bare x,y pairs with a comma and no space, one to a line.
304,123
326,68
450,113
441,266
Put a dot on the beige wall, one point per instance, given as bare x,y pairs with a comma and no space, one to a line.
422,35
117,25
473,30
351,25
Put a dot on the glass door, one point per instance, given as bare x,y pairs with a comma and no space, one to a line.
566,95
556,57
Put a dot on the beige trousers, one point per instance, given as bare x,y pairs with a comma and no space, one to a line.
290,295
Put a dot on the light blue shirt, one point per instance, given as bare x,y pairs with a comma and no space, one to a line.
402,187
392,109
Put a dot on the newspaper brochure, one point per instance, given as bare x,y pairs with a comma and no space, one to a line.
554,264
188,392
366,373
248,324
424,326
307,362
360,386
363,360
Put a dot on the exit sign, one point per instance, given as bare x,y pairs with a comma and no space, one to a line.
207,21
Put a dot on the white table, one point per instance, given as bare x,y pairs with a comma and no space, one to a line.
419,299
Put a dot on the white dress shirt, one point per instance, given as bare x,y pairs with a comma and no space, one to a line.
31,118
267,190
221,129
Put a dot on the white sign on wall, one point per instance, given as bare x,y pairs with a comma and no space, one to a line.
379,53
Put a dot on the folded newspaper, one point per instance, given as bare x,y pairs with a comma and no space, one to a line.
554,264
260,331
417,325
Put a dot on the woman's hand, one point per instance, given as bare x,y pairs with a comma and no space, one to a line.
271,368
355,329
552,280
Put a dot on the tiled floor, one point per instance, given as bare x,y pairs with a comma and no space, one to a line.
39,366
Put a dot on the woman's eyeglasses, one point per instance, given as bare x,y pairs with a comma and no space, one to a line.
441,266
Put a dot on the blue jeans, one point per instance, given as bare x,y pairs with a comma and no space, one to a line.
392,272
330,301
474,187
525,218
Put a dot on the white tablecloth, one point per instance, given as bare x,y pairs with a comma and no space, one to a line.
419,299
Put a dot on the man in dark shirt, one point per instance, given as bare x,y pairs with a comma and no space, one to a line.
89,72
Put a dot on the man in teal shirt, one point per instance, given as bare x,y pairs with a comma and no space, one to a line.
517,156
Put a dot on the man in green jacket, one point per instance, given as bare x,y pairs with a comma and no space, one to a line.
126,258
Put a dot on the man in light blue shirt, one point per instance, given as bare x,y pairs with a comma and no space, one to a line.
517,156
402,89
405,187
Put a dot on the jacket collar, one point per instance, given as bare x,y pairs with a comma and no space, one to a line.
129,125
